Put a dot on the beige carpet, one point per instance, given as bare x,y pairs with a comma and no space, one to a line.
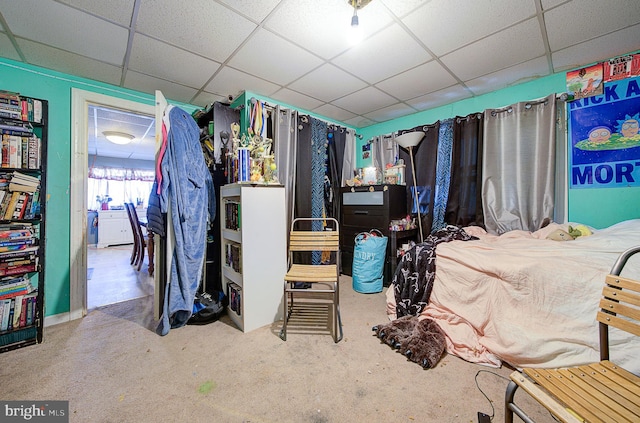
112,367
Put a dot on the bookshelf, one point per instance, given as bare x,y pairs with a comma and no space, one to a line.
253,252
23,125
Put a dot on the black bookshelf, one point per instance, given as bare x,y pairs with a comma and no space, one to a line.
18,258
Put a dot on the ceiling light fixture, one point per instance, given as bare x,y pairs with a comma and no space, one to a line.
355,34
118,137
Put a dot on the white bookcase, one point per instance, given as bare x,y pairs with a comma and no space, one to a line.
254,252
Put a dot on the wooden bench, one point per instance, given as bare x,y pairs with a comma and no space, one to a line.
598,392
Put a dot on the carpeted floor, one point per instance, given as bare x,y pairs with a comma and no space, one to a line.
112,367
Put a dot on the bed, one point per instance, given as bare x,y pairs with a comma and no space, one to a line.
523,299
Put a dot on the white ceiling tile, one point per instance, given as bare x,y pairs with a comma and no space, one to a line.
254,9
296,99
204,98
273,58
446,25
204,27
333,112
48,22
365,101
422,79
401,8
73,64
523,72
602,48
231,81
150,84
385,54
119,11
327,83
504,49
184,68
597,18
439,98
548,4
359,122
323,26
391,112
7,49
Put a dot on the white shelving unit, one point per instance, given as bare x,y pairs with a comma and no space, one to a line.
260,245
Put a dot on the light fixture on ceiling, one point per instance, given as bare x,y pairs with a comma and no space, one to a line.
408,141
355,34
118,137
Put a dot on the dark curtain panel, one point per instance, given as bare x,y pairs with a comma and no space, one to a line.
336,138
303,169
425,157
464,207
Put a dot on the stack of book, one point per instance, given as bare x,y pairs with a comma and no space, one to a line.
21,197
18,249
17,303
12,106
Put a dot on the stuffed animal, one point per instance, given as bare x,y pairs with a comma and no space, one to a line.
422,342
561,235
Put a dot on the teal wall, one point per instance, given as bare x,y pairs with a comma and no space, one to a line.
56,88
595,207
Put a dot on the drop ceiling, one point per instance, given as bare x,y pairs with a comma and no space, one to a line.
415,55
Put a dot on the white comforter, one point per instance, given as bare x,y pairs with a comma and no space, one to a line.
529,301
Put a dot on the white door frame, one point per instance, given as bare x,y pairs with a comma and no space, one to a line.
80,101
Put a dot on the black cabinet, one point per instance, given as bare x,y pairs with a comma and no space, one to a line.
365,208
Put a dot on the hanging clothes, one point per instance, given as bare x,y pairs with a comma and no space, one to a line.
187,191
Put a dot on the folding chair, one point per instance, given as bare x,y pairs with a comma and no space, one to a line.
309,280
598,392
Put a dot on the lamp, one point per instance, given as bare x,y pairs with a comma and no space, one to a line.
118,137
408,141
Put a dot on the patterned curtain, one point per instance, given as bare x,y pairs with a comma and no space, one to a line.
443,174
464,204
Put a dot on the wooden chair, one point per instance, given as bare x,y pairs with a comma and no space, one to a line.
135,249
313,281
138,236
599,392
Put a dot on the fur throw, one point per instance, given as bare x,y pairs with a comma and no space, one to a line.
413,280
421,341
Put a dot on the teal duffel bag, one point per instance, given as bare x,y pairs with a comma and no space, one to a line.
368,261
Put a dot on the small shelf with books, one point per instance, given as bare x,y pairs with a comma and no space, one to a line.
23,126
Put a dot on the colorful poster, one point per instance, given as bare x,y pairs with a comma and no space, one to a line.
585,82
622,67
604,137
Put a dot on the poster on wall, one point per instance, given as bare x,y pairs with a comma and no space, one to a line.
585,82
622,67
604,137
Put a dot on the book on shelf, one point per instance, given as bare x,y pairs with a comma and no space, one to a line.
25,252
18,312
16,270
12,234
16,245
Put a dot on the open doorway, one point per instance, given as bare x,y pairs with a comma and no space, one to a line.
81,143
118,173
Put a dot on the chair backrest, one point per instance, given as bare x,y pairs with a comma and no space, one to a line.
309,240
135,223
620,304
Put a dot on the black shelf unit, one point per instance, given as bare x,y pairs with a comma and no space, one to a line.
370,207
211,121
30,334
